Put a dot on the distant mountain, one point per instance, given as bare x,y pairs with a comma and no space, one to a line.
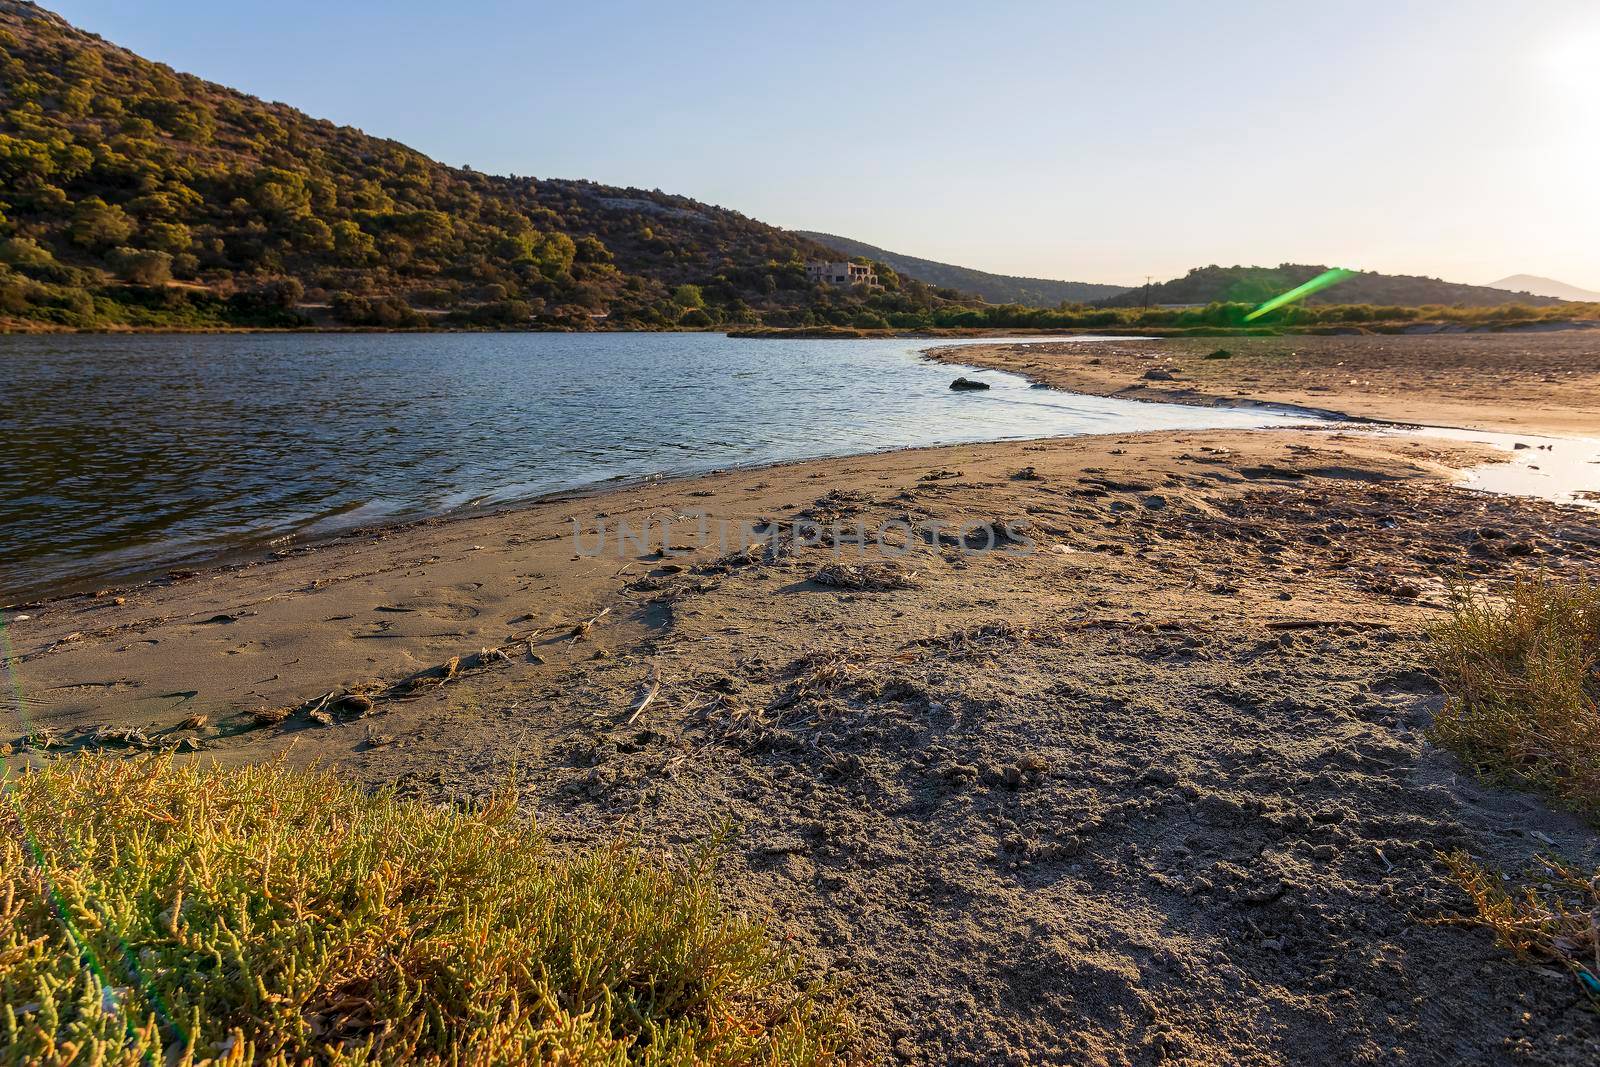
1532,283
1254,285
994,288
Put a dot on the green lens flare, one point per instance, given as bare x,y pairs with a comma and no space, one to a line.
1321,281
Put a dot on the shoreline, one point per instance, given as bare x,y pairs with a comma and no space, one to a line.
1405,328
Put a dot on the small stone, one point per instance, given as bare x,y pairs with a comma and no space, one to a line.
1033,763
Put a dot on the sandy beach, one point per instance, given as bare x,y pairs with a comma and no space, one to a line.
1135,776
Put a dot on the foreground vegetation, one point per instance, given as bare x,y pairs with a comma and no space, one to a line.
1552,917
1523,692
164,913
1523,706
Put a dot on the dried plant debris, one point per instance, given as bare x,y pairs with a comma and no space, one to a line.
581,630
1552,918
975,641
871,577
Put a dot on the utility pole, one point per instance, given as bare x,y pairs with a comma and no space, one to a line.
1147,279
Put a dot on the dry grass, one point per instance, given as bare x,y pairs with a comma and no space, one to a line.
1523,693
1553,920
1523,704
156,912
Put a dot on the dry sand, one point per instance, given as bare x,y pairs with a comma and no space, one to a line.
1146,785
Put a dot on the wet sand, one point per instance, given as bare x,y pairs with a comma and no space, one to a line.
1145,783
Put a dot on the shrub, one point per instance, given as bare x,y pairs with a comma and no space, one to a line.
24,252
385,311
141,266
1522,691
164,913
280,294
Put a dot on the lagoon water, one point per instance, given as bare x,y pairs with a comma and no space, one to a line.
122,455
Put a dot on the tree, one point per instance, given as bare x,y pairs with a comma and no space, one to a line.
97,224
171,237
688,296
281,193
353,245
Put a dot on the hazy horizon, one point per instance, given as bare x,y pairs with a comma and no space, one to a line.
1051,140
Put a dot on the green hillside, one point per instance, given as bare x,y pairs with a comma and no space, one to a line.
993,288
1255,285
136,195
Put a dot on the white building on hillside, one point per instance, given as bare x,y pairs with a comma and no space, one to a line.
841,274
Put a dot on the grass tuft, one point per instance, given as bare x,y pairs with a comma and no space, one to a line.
161,913
1522,689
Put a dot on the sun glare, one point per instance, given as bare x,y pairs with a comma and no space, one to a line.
1573,66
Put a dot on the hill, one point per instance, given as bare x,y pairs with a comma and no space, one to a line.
1532,283
993,288
136,195
1255,285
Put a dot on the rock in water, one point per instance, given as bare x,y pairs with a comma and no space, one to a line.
967,383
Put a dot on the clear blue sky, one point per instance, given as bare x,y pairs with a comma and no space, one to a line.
1096,141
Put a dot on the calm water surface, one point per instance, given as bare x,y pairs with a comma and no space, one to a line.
119,455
